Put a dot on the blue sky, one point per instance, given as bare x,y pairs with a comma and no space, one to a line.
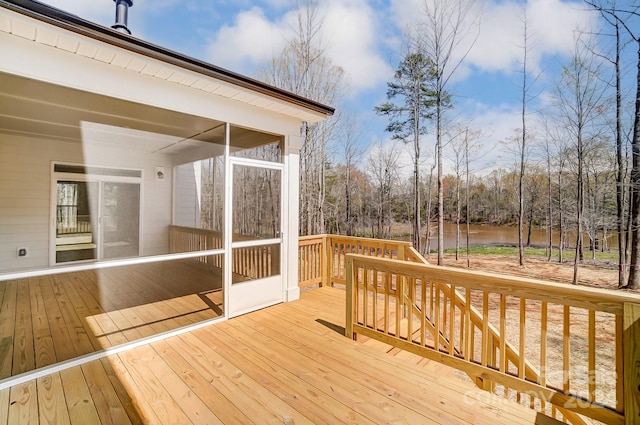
365,38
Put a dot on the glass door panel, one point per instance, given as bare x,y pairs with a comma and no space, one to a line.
257,203
76,208
256,223
120,220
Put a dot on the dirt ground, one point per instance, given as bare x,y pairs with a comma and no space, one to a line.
595,274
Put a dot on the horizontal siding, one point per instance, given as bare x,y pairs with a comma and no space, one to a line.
186,208
25,192
24,201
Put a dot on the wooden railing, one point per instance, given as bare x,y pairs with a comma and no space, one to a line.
322,258
252,262
311,260
563,350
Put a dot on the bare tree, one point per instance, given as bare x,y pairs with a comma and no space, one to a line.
383,167
549,153
351,153
580,95
303,68
457,141
525,98
627,18
441,37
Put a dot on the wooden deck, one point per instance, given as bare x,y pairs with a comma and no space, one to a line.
53,318
285,364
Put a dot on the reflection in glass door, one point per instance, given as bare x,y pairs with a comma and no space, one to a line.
96,220
120,220
76,236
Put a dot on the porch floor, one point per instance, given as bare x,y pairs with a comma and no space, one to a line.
45,320
285,364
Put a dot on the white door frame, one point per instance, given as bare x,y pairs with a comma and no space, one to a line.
244,297
89,178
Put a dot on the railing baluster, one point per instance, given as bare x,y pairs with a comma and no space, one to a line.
423,316
452,319
485,328
387,290
543,344
523,337
468,348
365,297
412,301
592,356
619,364
436,333
504,363
375,300
566,353
463,326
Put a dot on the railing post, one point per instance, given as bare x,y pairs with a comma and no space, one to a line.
402,284
631,344
348,328
328,260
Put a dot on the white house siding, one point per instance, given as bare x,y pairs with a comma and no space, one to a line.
25,195
186,205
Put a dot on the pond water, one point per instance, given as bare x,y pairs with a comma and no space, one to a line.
506,235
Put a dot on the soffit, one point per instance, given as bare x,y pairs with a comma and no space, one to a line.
177,69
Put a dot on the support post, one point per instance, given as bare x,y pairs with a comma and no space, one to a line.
631,379
348,328
326,281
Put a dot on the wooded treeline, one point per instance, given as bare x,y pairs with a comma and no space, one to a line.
576,157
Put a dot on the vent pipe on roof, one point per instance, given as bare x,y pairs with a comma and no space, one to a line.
122,9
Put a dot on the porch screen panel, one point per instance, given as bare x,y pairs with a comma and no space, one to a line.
198,222
257,203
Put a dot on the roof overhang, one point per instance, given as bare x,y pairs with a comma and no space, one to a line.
106,45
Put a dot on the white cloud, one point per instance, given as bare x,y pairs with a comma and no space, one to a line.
551,25
351,31
249,41
349,34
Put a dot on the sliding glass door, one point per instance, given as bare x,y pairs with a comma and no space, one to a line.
120,220
76,221
96,220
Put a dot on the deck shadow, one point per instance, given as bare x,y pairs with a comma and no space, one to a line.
332,326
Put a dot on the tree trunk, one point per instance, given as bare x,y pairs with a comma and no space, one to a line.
634,272
580,209
457,216
549,208
440,183
427,241
530,227
560,219
620,191
466,200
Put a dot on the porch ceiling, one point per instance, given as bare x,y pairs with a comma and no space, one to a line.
37,109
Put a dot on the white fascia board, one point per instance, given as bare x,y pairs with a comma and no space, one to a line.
59,39
60,67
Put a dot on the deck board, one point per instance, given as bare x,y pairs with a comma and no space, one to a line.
49,319
284,364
